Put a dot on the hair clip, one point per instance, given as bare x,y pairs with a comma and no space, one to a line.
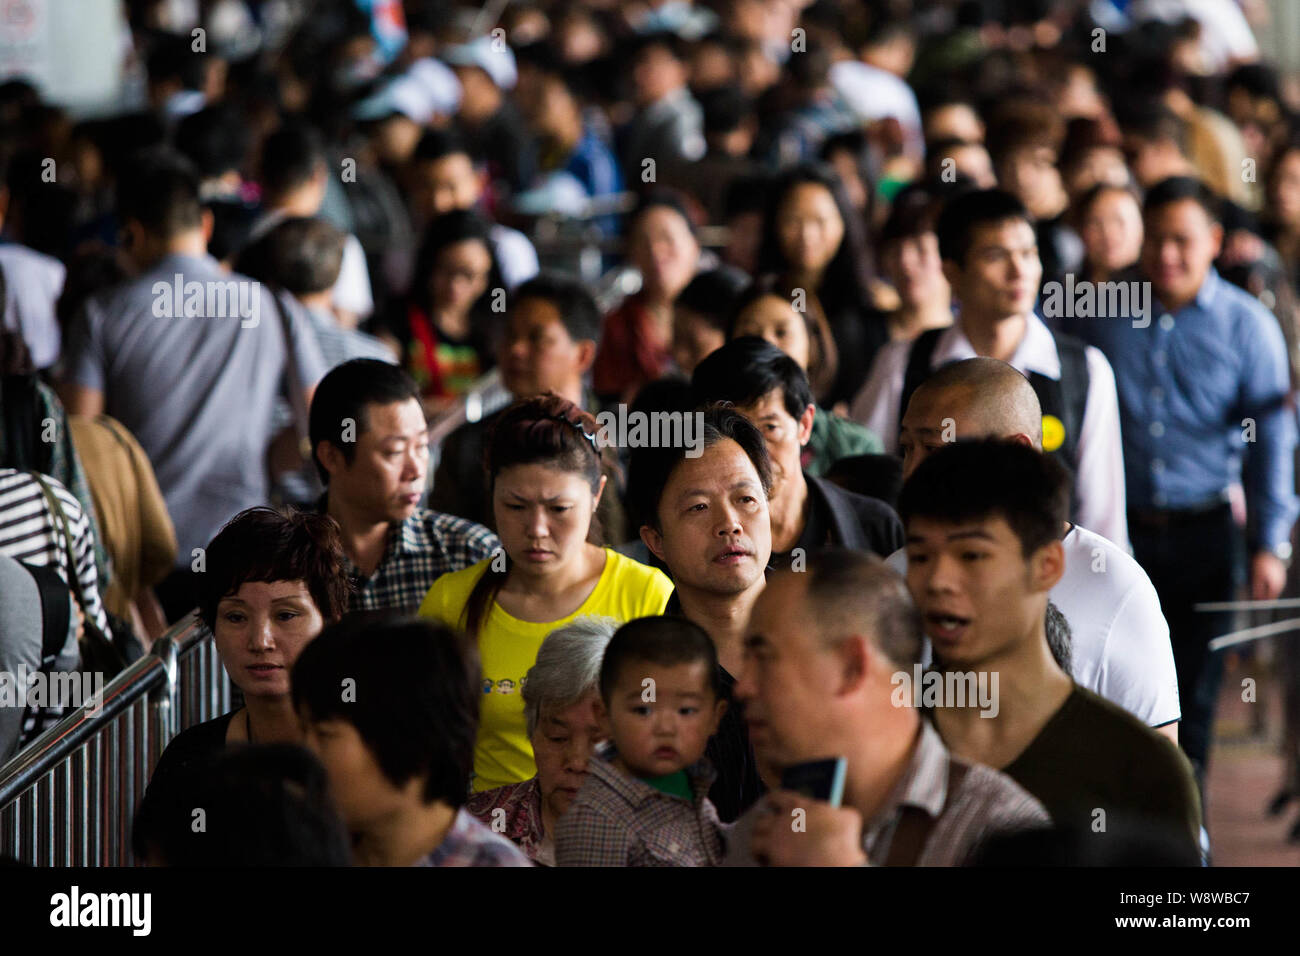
581,431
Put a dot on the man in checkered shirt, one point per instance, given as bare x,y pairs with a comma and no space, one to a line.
370,443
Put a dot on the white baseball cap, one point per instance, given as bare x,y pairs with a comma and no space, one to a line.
490,55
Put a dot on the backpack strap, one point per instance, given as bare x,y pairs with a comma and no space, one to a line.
915,825
56,622
1074,387
918,367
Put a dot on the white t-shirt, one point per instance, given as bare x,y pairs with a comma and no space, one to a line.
1119,637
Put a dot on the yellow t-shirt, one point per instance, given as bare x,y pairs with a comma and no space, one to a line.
508,646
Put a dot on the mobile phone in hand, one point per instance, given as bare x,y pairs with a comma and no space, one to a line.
819,779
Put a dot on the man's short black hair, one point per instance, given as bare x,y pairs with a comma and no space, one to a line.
1150,120
979,479
725,109
746,369
344,393
159,189
216,140
302,254
409,686
657,197
438,144
291,156
1180,188
651,468
964,213
578,310
667,641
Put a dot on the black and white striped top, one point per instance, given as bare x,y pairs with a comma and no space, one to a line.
29,532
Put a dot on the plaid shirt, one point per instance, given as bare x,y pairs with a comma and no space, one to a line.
520,817
470,843
622,821
987,802
425,546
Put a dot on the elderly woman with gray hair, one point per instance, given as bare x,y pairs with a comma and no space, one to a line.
560,694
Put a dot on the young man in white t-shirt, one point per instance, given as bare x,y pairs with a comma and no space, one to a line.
1119,637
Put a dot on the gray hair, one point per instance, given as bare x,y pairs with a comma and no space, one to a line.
567,667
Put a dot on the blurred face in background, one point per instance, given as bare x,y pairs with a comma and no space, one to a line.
1112,231
954,121
1099,164
1180,245
846,168
536,353
972,161
809,228
694,338
1284,190
1032,175
914,268
665,251
655,74
444,184
460,276
773,318
744,235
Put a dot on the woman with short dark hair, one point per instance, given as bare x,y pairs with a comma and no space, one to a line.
270,583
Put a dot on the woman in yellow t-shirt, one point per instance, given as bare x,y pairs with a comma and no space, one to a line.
545,480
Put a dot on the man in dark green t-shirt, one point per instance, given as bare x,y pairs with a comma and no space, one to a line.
983,522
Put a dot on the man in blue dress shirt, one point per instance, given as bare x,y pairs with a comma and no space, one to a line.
1204,403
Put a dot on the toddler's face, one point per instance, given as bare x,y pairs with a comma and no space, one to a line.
660,718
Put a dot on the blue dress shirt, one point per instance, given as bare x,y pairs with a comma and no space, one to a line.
1203,399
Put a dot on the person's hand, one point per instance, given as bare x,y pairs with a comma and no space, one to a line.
1267,576
819,835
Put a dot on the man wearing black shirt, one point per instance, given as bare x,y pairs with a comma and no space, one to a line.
706,519
769,388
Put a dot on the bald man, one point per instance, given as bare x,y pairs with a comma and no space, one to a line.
1120,639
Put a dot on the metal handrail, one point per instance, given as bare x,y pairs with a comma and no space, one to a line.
70,796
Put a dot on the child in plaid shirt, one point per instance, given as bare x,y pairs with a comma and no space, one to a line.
645,799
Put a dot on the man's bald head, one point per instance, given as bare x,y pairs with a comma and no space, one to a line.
974,398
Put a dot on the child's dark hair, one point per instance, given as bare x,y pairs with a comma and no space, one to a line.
545,430
666,641
414,698
262,544
977,479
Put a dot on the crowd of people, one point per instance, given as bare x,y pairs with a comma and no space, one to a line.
985,314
